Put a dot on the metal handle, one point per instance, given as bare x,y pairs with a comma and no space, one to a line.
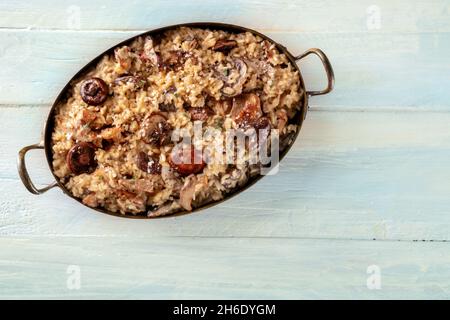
327,66
23,173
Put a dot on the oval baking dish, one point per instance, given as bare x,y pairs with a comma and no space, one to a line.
296,119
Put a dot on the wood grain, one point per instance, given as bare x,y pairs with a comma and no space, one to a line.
372,162
372,70
351,175
267,15
217,268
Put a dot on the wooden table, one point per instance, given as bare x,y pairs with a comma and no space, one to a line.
359,209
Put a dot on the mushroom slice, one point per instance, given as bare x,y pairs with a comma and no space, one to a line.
167,107
187,193
149,164
262,123
172,181
235,80
156,130
149,53
164,210
94,91
186,160
81,158
224,45
263,126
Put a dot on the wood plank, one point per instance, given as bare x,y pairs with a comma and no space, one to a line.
317,16
372,70
351,175
215,268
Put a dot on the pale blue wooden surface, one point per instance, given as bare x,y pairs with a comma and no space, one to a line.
367,183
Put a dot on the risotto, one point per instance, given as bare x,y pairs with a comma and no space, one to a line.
120,143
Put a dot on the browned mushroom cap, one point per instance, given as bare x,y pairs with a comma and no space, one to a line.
186,160
201,114
81,158
224,45
246,110
149,164
94,91
156,130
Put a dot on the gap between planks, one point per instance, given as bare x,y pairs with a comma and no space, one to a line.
137,237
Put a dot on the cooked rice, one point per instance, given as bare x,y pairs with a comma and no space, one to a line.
199,80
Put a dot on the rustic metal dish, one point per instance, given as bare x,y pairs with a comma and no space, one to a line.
49,126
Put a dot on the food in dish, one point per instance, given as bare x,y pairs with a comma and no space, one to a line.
115,141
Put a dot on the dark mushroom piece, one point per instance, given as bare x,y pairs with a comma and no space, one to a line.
94,91
262,123
246,110
224,45
81,158
167,107
149,164
186,160
156,130
262,127
174,60
106,144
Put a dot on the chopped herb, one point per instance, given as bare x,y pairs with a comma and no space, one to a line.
142,83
